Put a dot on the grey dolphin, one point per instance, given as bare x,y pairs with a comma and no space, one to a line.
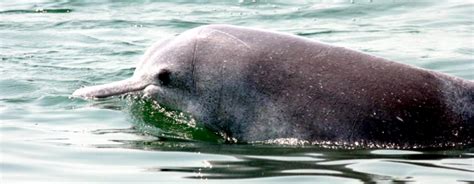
256,85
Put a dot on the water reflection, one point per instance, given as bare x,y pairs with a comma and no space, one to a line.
263,161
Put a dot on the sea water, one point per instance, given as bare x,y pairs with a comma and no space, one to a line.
50,48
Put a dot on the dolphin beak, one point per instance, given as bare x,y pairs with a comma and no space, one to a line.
111,89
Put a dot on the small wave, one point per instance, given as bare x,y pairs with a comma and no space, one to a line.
38,10
309,33
151,118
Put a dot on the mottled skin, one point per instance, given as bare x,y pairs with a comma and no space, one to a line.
256,85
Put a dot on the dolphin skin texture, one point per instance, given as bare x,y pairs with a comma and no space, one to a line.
257,85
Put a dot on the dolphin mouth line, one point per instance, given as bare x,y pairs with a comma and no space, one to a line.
110,89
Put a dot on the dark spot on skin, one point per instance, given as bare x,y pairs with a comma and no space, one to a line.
164,77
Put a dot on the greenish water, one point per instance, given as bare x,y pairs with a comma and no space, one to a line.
50,48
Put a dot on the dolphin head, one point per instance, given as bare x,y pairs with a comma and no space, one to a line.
165,73
201,71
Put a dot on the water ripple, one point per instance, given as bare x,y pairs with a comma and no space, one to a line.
39,10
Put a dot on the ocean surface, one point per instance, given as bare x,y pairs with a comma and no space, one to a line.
49,48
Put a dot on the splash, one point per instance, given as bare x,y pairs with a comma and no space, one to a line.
152,118
359,144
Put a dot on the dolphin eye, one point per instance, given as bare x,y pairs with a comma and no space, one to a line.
164,77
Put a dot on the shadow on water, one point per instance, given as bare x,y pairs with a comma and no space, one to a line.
174,131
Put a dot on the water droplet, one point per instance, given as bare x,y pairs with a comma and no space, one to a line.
399,118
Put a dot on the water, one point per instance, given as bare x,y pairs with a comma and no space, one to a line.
50,48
